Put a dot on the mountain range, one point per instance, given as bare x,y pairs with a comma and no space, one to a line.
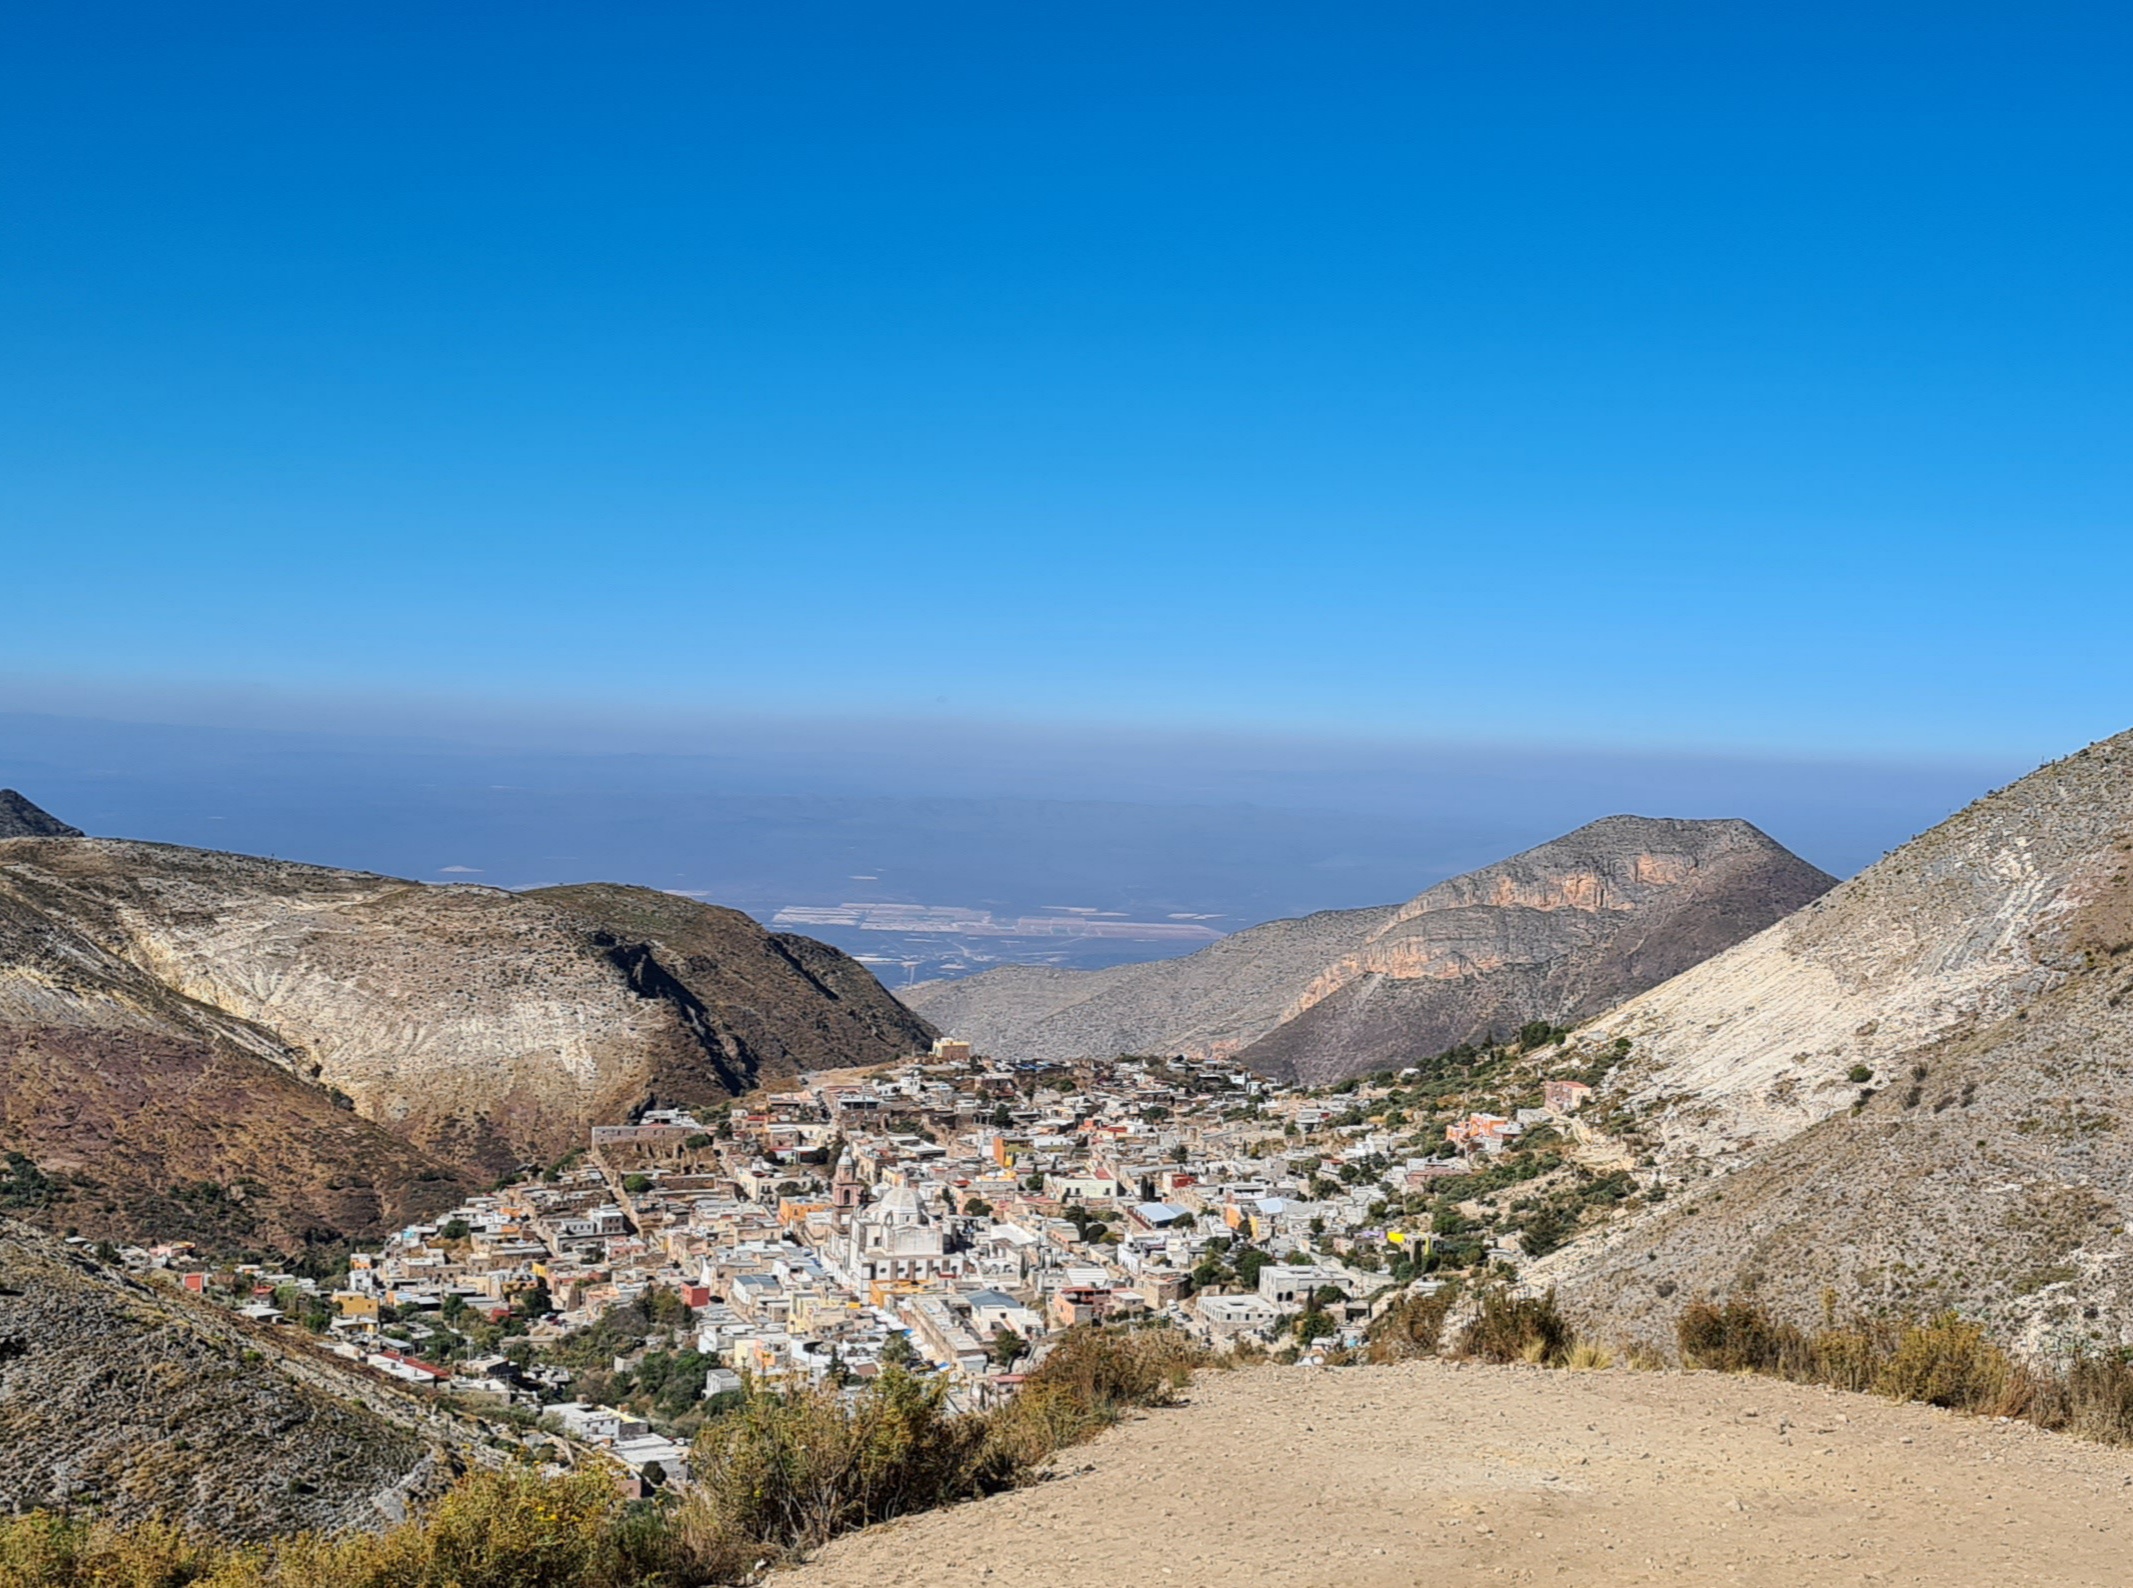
1558,933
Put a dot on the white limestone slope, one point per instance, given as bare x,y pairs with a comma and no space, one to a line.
1952,930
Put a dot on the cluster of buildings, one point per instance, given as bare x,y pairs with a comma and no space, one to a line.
951,1210
1492,1133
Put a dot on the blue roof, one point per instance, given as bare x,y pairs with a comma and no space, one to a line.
1160,1212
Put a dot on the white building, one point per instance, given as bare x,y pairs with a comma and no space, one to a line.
1227,1317
897,1239
1293,1285
597,1425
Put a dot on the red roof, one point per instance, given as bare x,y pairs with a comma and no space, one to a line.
417,1363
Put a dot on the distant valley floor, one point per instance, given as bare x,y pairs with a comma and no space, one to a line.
1445,1475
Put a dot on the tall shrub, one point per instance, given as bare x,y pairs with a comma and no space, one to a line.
1510,1328
1949,1362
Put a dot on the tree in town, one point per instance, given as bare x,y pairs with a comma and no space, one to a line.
1007,1348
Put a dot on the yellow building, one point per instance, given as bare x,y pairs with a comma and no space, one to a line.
356,1304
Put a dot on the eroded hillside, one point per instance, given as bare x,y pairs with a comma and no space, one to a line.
1923,1084
203,1043
130,1111
119,1399
771,1002
1957,930
1222,998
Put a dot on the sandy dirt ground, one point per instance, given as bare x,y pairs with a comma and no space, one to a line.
1437,1474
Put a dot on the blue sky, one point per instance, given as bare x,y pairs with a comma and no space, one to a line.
1568,375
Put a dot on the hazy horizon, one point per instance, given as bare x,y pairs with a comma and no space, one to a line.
1188,836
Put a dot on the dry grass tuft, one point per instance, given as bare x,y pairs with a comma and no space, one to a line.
1945,1361
1410,1327
1512,1328
1949,1362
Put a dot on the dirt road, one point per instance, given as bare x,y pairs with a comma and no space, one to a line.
1435,1474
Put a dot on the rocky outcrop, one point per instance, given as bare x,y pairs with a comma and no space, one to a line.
119,1399
1915,1093
332,1048
759,1003
20,819
1556,933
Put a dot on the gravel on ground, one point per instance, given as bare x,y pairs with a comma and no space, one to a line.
1444,1474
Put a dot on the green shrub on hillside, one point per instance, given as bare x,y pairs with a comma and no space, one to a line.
1410,1327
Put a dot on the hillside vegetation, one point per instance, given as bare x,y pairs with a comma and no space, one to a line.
120,1399
781,1475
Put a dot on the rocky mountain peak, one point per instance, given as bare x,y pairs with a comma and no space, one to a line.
1559,931
1615,863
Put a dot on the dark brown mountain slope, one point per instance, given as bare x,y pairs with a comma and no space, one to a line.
149,1116
772,1003
1559,932
120,1399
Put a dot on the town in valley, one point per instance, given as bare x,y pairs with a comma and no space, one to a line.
953,1216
